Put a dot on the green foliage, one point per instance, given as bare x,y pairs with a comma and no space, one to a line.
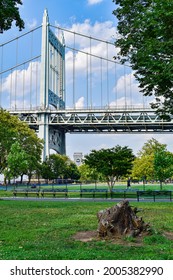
9,12
12,130
59,166
163,165
111,163
88,173
17,162
143,166
146,39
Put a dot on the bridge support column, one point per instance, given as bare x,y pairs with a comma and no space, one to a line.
44,134
57,140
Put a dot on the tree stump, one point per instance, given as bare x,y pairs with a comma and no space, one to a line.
120,220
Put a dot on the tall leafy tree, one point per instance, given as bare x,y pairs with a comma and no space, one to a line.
89,173
163,165
112,163
143,168
9,12
146,165
59,166
146,41
12,130
17,162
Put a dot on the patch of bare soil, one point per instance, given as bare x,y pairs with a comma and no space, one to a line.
87,236
168,234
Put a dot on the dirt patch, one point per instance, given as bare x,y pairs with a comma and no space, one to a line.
87,236
168,234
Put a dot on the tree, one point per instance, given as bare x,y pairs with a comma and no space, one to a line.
143,166
145,28
72,171
89,173
13,130
17,162
9,12
163,165
112,163
59,166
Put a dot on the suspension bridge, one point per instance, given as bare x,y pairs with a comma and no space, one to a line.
61,81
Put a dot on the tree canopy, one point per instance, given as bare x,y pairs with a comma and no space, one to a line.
13,131
163,165
146,41
111,163
9,12
59,166
153,162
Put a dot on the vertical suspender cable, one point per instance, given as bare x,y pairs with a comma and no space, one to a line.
15,91
90,75
31,72
87,77
125,93
101,83
131,90
11,88
1,76
36,85
116,84
24,86
107,74
74,58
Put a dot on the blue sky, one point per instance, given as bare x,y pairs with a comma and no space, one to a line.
93,18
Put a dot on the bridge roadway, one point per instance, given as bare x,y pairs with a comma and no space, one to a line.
135,120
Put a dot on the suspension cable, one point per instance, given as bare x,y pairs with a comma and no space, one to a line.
22,35
1,75
24,86
101,83
74,60
31,53
15,91
107,74
90,75
83,35
87,79
18,65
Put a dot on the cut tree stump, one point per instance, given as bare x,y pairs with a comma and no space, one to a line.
120,220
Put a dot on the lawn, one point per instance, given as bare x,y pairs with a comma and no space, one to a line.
36,230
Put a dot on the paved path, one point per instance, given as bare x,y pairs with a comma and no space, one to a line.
81,199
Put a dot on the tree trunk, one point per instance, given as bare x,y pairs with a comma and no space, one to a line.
120,220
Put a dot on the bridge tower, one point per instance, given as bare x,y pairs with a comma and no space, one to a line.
52,88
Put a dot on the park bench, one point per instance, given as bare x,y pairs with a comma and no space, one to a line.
54,192
94,192
154,194
26,192
125,193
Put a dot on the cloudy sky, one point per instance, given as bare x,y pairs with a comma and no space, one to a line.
92,18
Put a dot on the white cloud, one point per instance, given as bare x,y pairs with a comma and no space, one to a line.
128,93
102,30
32,23
93,2
80,103
21,86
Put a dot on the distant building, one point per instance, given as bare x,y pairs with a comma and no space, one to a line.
78,157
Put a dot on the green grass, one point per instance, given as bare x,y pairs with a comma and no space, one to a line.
45,230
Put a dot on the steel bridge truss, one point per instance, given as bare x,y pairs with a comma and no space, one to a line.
98,121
